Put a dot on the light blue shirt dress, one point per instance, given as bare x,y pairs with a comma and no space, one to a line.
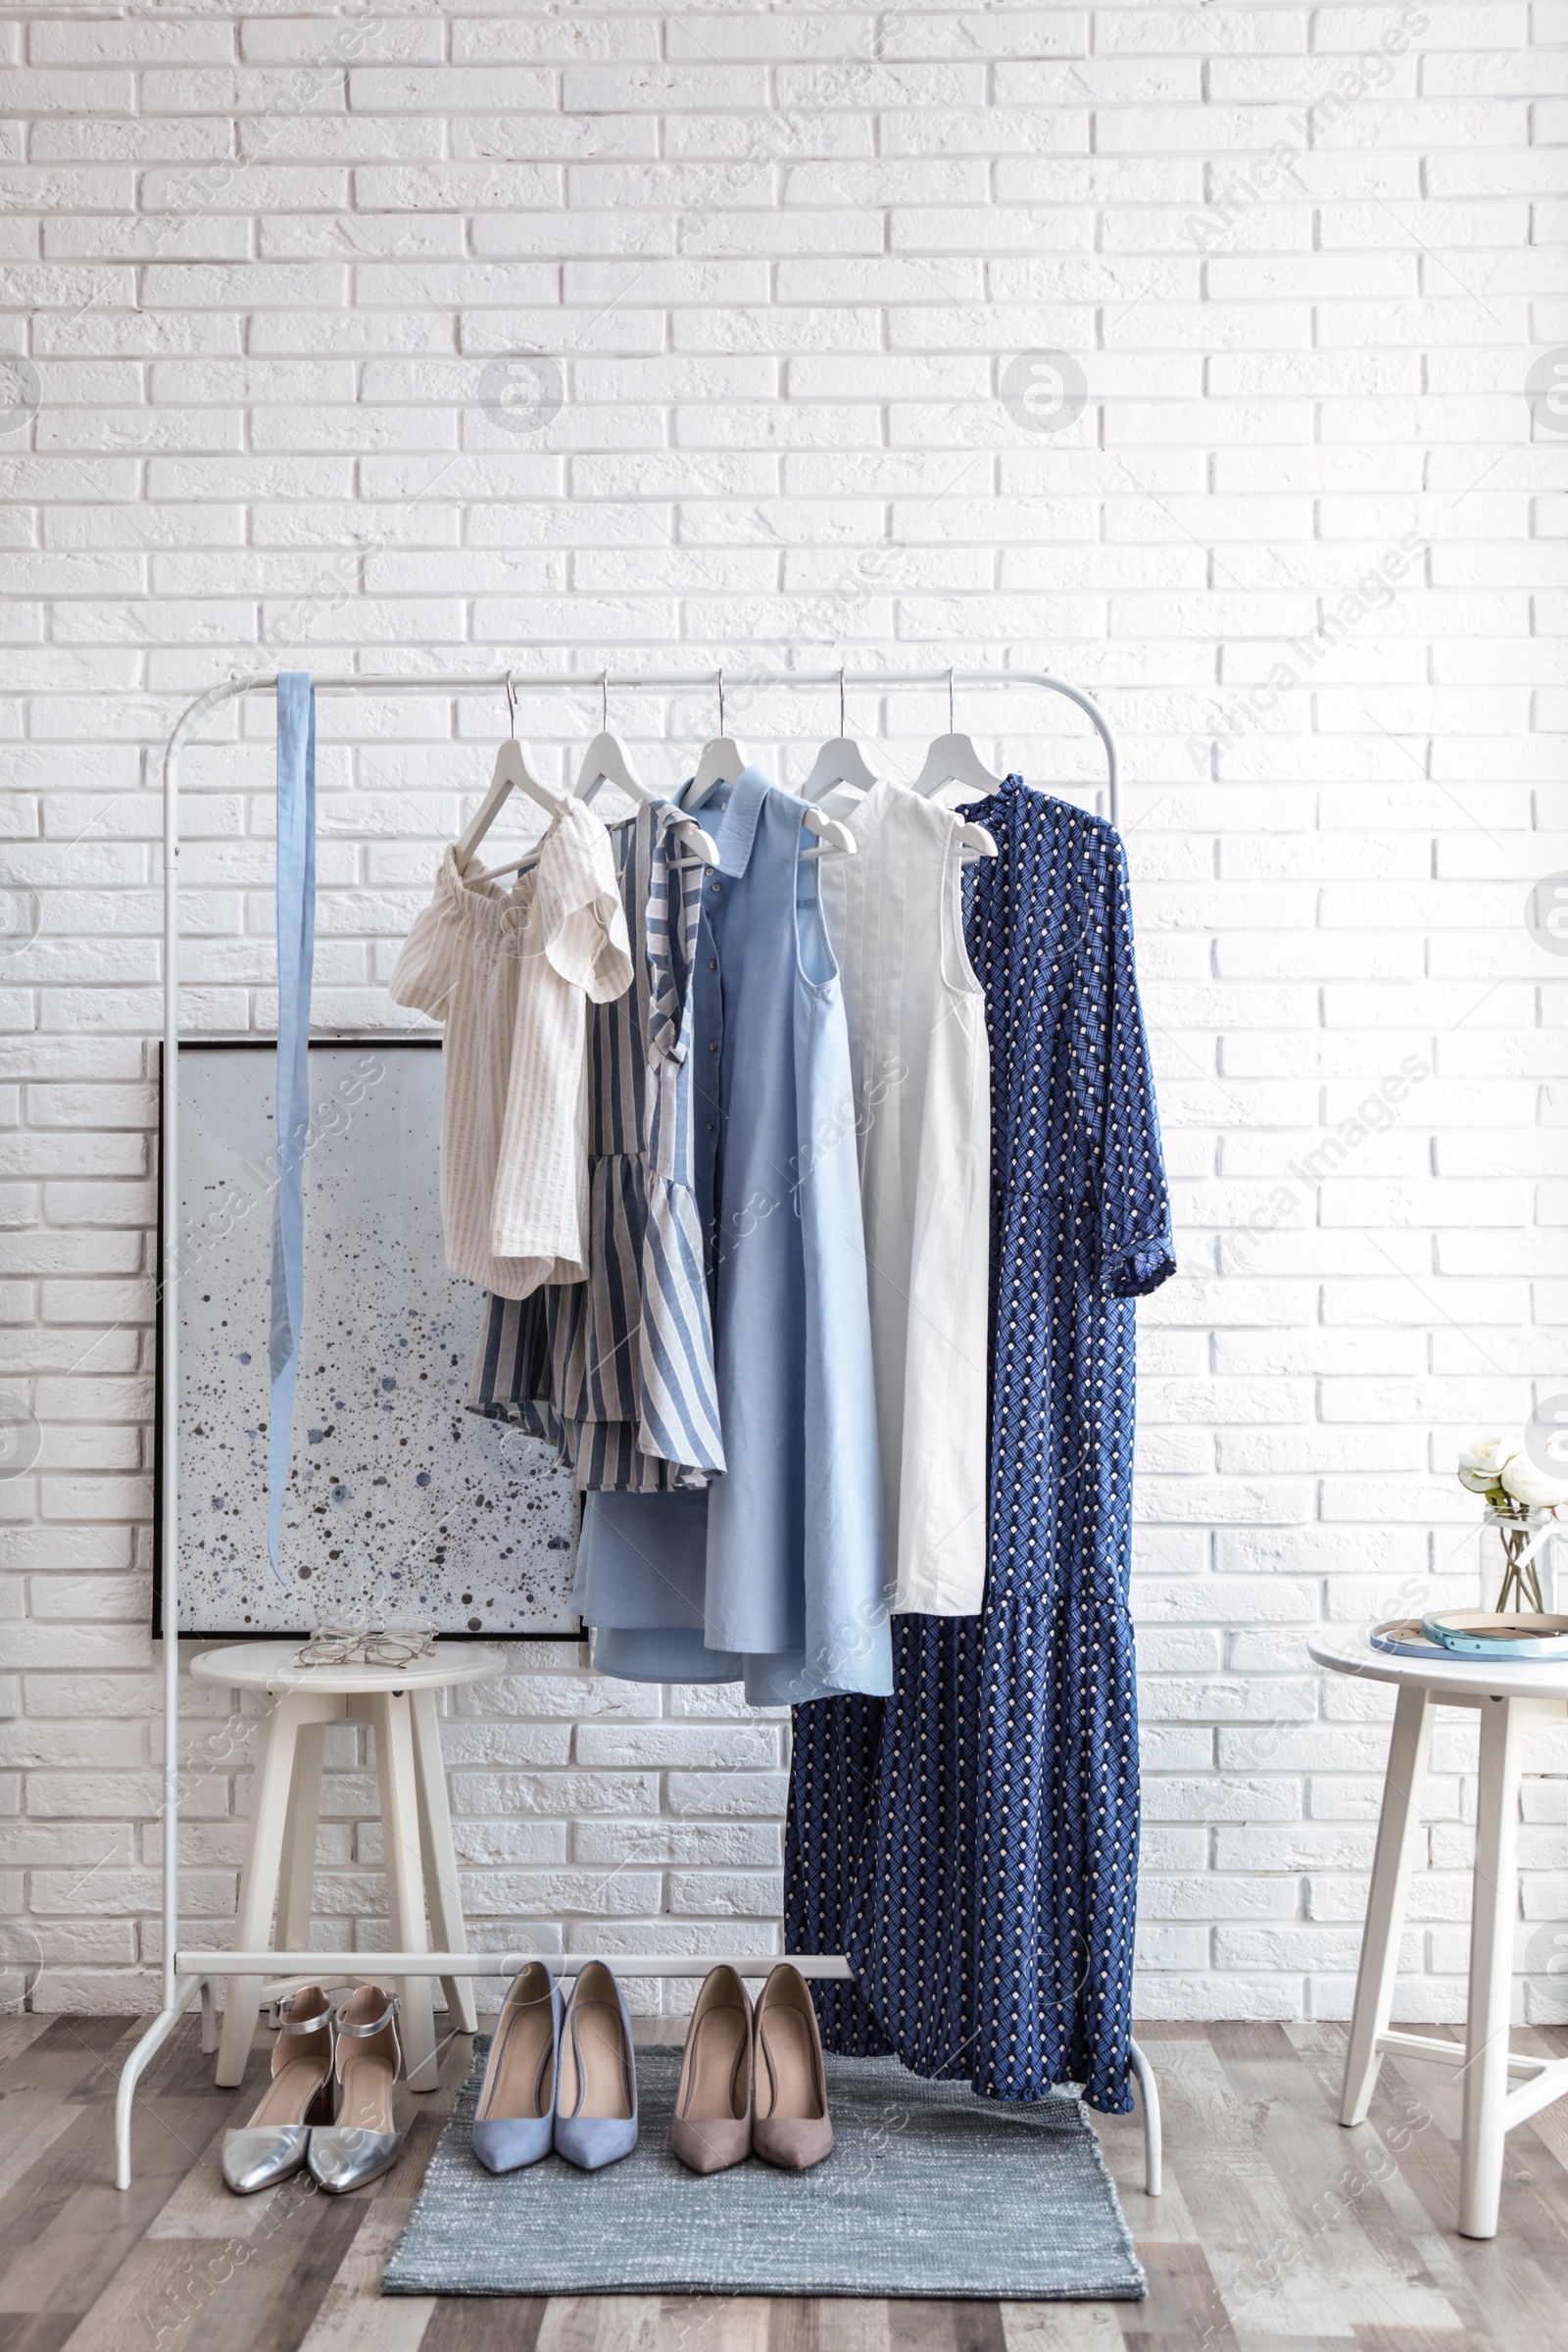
782,1554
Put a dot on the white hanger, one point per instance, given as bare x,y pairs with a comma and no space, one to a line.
718,762
954,759
836,838
721,762
703,846
606,762
839,762
512,774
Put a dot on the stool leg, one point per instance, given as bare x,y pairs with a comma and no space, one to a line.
257,1883
298,1888
1494,1910
440,1857
405,1877
1399,1826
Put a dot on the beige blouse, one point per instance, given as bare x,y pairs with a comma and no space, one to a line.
509,973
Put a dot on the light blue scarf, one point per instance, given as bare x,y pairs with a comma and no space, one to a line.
296,948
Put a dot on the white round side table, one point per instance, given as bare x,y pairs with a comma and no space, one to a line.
279,1867
1507,1695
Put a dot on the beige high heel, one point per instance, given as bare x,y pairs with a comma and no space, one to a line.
274,2143
790,2127
363,2141
711,2126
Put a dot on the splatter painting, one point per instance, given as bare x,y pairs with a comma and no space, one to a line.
400,1502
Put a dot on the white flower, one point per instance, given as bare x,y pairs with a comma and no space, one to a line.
1528,1482
1481,1463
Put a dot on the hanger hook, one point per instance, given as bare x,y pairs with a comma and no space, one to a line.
950,697
841,700
512,706
604,701
722,698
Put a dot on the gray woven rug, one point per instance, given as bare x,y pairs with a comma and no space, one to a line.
928,2191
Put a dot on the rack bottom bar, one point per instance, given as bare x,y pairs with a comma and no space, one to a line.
495,1964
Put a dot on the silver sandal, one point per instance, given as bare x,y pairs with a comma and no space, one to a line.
274,2143
362,2142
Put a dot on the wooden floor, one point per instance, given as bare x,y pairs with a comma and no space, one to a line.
1277,2233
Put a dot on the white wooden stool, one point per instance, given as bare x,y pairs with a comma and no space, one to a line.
1508,1696
279,1867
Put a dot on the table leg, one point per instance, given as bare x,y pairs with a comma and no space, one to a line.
1399,1826
1494,1910
405,1877
258,1882
441,1887
298,1886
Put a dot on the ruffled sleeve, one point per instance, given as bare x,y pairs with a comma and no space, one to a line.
579,922
426,968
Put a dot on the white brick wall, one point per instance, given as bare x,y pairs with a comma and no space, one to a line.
782,260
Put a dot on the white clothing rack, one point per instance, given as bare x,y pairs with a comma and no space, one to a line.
189,1973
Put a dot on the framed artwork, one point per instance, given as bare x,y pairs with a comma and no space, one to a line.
400,1501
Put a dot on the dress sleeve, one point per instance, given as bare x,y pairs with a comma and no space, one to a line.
674,913
1136,1249
581,923
424,973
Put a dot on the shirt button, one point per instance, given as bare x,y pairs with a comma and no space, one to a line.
712,1125
712,963
712,1044
715,885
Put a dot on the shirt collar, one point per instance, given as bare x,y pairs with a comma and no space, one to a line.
734,827
998,800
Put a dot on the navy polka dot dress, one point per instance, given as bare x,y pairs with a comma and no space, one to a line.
972,1841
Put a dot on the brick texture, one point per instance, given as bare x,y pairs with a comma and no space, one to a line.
768,285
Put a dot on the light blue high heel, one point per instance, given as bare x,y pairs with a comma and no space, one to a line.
596,2074
513,2123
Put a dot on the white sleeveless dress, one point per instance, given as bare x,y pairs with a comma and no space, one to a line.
922,1112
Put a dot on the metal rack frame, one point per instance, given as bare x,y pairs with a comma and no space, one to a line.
189,1973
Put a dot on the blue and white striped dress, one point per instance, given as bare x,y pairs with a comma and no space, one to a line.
618,1371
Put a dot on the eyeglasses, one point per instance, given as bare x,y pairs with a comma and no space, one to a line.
362,1643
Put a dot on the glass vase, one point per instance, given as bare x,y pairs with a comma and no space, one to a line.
1522,1579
